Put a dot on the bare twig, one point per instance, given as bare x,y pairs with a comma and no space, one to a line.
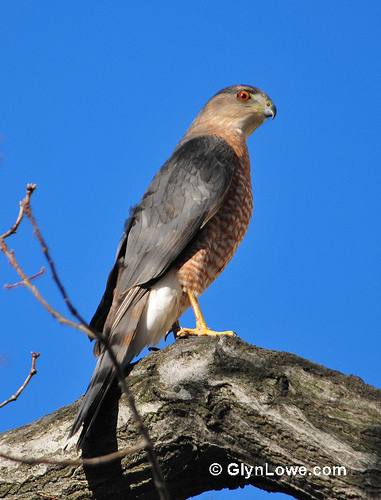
105,459
157,475
83,327
26,281
20,283
45,250
23,205
32,372
25,209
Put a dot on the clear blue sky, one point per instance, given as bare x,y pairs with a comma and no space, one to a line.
94,97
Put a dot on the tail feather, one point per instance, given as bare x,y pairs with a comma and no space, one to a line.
126,347
101,381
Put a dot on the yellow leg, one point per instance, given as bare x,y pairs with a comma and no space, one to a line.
201,328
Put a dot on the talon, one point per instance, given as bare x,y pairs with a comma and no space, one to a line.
174,329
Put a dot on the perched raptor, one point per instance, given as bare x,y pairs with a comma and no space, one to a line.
179,238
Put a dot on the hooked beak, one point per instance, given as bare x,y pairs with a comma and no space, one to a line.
270,111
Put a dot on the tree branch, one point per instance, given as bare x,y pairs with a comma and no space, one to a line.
20,283
32,372
216,401
105,459
26,282
45,251
23,204
25,208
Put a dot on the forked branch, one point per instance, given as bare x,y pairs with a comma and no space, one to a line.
25,208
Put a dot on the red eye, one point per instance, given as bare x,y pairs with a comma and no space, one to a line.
243,95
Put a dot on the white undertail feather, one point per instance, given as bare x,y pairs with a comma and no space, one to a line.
161,311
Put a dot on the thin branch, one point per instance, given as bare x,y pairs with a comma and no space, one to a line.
32,372
105,459
26,282
23,205
45,251
83,327
20,283
157,475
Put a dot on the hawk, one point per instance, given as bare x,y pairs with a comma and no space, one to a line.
179,238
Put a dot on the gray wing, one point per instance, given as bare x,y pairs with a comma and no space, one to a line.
182,197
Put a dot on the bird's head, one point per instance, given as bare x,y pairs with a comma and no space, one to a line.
239,107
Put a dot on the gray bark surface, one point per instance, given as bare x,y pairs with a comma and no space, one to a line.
214,400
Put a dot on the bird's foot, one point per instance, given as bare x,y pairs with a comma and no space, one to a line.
200,332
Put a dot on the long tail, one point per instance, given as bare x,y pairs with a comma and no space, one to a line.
101,381
125,346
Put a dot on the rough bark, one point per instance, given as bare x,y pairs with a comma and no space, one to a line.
215,400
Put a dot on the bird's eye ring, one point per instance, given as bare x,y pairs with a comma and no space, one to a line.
243,95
